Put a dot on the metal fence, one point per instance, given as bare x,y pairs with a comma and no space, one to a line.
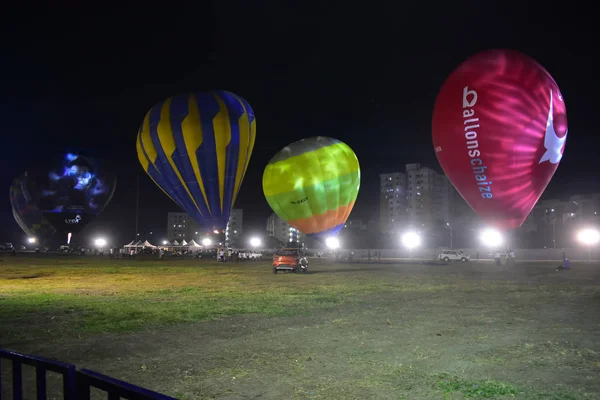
77,384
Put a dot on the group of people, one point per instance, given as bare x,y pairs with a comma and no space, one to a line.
230,255
500,256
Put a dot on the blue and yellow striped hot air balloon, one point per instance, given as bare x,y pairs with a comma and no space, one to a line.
196,147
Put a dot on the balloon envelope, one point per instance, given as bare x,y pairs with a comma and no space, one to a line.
70,190
196,148
28,216
313,184
499,130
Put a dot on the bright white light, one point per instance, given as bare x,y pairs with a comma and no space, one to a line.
411,240
165,242
255,242
206,242
589,237
332,243
31,240
491,238
215,231
100,242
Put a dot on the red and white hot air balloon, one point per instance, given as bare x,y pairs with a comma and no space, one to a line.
499,131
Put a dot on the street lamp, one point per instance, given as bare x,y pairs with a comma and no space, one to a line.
165,242
332,242
491,237
450,226
589,237
255,242
410,240
206,242
31,240
100,242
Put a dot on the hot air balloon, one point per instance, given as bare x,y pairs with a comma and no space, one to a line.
196,148
499,131
69,191
28,216
313,184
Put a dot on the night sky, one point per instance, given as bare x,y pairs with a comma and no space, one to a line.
78,78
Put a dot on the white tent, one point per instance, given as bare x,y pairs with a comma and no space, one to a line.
147,244
139,243
133,245
193,243
184,243
175,243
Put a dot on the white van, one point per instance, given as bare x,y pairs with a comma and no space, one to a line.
453,255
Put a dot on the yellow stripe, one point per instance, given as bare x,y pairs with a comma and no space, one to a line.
193,138
250,148
167,142
308,169
147,140
146,164
244,153
222,131
141,156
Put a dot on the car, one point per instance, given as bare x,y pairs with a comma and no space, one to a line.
288,259
454,255
6,246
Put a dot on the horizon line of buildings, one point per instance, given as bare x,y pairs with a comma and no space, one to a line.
419,198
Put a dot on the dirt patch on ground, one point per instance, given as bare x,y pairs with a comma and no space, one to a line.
527,332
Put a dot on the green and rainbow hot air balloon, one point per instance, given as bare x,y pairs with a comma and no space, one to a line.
313,184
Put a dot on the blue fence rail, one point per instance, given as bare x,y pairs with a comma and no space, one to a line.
77,384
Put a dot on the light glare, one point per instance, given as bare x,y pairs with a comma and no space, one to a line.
588,237
100,242
491,238
255,242
332,243
206,242
410,240
31,240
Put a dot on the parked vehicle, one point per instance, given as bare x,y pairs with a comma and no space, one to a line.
454,255
290,260
6,246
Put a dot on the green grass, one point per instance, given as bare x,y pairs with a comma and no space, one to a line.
57,297
407,332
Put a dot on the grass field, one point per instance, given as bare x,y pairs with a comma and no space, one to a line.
198,330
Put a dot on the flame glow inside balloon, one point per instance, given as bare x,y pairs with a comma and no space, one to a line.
499,130
313,184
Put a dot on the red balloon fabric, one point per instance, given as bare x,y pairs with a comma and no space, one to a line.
499,130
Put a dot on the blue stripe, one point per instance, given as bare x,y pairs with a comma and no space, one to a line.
235,111
332,232
206,154
178,112
174,187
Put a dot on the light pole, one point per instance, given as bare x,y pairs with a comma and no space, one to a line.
552,218
450,227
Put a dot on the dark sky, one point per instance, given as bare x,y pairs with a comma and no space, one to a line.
367,74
